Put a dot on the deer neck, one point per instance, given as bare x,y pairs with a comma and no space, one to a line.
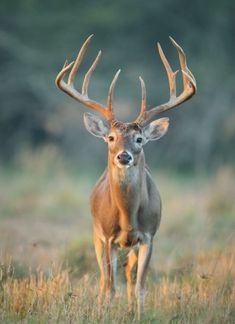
127,188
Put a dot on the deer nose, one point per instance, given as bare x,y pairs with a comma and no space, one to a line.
124,158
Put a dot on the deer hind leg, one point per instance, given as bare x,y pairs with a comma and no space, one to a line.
130,262
99,250
144,255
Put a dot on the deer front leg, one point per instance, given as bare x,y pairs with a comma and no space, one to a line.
130,262
144,255
99,250
111,266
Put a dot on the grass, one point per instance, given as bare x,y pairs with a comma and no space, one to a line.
48,273
183,296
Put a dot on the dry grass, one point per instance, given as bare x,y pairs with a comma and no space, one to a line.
204,294
45,221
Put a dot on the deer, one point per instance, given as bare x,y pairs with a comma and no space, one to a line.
125,202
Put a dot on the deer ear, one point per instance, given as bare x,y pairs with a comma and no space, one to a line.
95,125
156,129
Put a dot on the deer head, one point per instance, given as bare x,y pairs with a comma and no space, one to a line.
125,140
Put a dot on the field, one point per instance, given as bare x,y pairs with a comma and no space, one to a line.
48,269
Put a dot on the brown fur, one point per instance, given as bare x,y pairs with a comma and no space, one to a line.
126,207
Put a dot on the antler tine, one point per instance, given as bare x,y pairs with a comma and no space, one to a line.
170,74
189,84
183,64
141,116
83,96
78,60
189,80
89,73
110,93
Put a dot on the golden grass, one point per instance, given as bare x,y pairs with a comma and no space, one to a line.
204,293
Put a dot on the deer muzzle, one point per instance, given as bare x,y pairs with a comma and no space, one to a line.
124,158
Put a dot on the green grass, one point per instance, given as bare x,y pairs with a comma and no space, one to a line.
48,273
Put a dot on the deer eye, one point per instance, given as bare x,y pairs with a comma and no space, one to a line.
139,140
110,138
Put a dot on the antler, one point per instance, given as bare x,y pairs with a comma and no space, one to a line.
189,86
68,87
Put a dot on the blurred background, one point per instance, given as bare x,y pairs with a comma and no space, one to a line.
36,37
49,162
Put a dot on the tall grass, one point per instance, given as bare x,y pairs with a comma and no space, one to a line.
185,296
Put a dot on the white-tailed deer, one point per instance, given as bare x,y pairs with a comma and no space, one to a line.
125,203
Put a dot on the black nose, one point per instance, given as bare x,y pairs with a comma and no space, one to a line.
124,158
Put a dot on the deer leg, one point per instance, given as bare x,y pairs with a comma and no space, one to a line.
130,262
99,250
111,263
113,269
144,256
